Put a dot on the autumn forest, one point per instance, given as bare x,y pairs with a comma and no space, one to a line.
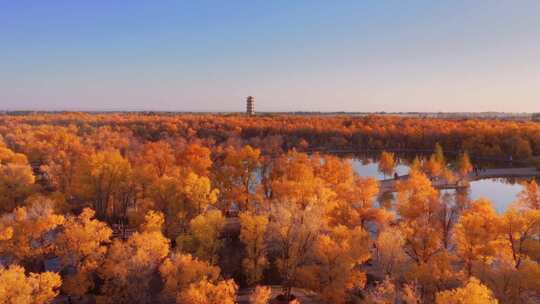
222,209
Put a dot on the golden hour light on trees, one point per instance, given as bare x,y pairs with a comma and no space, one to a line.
205,292
209,208
203,238
253,230
472,292
337,255
16,179
129,265
24,231
477,235
16,287
179,271
387,163
83,245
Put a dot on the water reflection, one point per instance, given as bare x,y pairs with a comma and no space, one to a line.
370,167
501,192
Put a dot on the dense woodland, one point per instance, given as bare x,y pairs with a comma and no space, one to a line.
488,138
132,208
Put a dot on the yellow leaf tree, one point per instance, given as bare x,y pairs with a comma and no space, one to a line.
294,232
354,203
520,230
295,180
252,234
477,234
180,270
195,158
167,192
530,196
206,292
337,255
236,177
159,157
64,156
199,193
473,292
464,166
418,206
389,254
103,179
130,265
25,232
387,163
203,238
36,288
16,179
83,245
182,198
435,166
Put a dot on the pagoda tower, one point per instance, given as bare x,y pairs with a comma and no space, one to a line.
250,105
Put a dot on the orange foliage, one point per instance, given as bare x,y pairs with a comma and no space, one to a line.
306,217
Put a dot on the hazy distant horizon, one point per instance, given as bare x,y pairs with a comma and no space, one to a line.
268,112
241,108
313,56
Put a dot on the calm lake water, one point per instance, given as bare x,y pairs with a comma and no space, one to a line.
499,191
370,168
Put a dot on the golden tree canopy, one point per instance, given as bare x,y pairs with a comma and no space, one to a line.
473,292
36,288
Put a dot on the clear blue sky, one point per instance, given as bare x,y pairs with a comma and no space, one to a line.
292,55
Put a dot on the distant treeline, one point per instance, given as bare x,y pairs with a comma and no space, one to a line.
490,138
